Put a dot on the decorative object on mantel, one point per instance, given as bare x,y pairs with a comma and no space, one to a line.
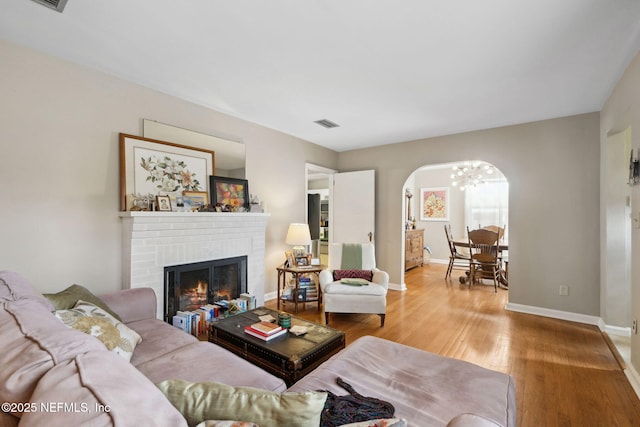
164,203
434,204
634,169
142,202
470,174
230,194
153,166
256,206
194,200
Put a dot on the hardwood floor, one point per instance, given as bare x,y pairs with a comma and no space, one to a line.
565,373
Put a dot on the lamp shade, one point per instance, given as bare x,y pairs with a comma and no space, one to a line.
298,235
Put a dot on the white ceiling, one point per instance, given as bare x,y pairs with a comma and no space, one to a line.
385,71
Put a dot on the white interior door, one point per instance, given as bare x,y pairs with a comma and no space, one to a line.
353,207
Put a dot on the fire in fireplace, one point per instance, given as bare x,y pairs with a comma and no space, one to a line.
188,287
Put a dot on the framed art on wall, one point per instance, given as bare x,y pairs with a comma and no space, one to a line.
434,204
230,192
151,166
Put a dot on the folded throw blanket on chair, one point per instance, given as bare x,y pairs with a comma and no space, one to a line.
353,281
351,256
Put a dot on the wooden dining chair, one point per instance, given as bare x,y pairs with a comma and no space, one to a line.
457,259
496,228
485,255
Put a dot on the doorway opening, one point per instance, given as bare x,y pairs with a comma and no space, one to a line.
471,193
319,203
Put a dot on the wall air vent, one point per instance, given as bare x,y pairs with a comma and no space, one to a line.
53,4
326,123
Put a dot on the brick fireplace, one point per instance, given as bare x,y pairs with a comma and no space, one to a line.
154,240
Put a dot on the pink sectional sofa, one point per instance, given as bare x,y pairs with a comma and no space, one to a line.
45,364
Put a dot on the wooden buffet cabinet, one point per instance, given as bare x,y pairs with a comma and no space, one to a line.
413,247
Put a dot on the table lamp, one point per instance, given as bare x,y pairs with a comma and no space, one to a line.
299,236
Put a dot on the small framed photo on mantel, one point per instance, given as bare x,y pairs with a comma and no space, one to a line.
163,203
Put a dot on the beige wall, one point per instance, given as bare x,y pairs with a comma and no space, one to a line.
552,168
59,151
622,110
59,126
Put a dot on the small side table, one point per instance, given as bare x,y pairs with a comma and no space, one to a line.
296,272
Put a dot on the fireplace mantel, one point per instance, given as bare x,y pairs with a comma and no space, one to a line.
153,240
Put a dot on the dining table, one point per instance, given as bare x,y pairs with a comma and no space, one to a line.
504,269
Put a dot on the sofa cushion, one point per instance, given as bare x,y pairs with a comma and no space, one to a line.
14,286
213,363
84,393
209,400
68,298
425,388
8,420
158,339
92,320
34,341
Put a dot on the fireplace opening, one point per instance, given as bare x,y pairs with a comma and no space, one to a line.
188,287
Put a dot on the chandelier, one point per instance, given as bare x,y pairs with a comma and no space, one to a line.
470,174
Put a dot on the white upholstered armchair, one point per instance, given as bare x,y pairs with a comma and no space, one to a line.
351,283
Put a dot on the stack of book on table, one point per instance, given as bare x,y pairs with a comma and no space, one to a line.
265,330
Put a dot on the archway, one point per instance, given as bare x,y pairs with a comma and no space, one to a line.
474,193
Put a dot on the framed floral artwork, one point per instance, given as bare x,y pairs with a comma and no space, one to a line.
150,166
434,204
230,192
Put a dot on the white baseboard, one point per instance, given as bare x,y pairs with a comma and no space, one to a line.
398,286
618,331
271,296
556,314
633,377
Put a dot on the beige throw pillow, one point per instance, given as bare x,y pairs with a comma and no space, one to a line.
93,320
198,402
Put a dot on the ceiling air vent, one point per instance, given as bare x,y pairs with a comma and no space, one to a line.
326,123
53,4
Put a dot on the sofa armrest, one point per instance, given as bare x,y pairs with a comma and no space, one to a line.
132,304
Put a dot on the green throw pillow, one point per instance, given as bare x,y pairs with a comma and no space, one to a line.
213,401
68,298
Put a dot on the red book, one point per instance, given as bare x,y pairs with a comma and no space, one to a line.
265,328
249,330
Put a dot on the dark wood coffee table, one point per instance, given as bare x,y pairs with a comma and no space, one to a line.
289,357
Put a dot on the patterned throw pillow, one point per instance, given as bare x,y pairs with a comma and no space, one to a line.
94,321
353,274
